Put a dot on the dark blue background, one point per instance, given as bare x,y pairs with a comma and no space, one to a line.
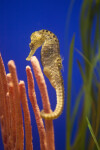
18,19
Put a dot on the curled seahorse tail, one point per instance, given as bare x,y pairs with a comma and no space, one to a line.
59,107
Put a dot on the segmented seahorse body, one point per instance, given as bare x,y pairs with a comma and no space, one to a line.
52,64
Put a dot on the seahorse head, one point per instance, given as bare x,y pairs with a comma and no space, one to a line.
37,40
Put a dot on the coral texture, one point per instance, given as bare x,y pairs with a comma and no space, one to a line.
12,97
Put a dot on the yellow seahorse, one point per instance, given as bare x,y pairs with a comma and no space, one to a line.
52,64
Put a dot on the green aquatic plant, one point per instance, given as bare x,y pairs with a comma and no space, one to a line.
90,89
69,94
92,133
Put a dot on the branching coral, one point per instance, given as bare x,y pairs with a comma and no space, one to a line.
12,97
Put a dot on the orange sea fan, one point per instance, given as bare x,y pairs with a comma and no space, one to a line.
12,96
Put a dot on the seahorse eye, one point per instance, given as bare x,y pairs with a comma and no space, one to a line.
31,46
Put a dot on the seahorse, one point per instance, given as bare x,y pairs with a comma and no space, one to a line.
52,65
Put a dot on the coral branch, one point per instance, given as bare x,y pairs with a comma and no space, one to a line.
3,103
27,120
45,100
12,112
41,84
32,96
18,113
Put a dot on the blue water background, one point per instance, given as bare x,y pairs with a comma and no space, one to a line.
18,19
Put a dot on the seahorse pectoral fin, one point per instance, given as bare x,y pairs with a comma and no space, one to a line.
30,54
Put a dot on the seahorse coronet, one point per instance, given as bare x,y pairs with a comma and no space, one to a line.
52,65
